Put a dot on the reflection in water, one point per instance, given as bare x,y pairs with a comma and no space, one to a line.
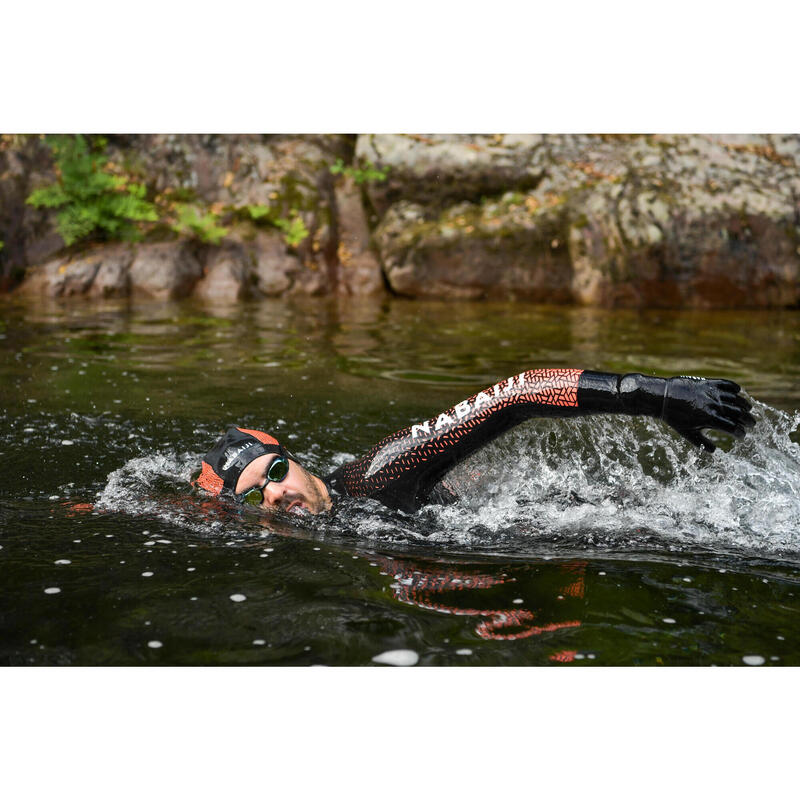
437,588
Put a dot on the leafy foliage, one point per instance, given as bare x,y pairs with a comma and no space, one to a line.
259,212
204,226
294,230
367,175
92,200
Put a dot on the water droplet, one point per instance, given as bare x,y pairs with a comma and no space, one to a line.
668,620
62,561
517,600
238,598
464,651
52,590
67,441
259,641
147,574
155,644
397,658
753,661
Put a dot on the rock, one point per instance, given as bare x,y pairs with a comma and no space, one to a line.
60,277
437,169
226,275
28,234
165,270
112,277
272,267
359,271
698,221
498,250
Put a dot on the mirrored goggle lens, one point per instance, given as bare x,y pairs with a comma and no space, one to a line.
254,497
278,470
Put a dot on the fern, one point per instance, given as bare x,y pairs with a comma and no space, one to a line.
204,227
92,201
294,230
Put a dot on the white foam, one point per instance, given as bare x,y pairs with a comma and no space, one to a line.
753,661
259,642
147,574
238,598
52,590
155,644
464,651
397,658
67,442
668,620
62,561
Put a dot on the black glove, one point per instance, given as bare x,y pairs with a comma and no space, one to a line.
689,404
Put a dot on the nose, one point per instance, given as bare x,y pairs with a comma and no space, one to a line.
273,493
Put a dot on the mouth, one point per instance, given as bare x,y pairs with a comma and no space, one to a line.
296,507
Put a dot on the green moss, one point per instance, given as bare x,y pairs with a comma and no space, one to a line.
367,174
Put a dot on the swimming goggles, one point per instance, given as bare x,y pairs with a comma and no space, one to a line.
277,471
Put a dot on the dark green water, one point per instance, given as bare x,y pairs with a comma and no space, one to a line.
596,541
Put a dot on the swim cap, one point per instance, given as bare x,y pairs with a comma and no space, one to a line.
226,460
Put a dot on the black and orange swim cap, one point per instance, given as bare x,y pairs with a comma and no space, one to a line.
226,460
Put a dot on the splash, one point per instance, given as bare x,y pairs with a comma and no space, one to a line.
634,483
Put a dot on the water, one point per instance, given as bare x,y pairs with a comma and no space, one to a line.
594,541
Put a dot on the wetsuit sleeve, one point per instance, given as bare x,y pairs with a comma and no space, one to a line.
402,469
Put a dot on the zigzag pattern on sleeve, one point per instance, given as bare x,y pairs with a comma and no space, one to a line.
544,392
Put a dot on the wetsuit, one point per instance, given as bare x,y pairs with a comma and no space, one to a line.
405,470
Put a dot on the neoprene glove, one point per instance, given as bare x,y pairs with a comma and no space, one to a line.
689,404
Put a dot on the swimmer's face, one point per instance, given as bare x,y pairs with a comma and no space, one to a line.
298,491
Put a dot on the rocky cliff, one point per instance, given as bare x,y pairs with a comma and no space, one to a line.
658,220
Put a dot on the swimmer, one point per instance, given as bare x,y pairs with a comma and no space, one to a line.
406,470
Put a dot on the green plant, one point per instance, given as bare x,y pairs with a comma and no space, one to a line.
91,199
294,230
367,175
204,226
258,212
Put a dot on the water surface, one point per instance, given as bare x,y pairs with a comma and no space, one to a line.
601,540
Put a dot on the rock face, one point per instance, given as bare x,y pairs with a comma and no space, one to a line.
678,221
706,221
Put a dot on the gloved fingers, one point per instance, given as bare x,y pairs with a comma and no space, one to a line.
736,400
722,423
725,385
737,414
697,438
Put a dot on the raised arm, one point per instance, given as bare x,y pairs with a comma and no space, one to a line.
401,469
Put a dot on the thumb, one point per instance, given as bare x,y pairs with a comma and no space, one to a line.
697,438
